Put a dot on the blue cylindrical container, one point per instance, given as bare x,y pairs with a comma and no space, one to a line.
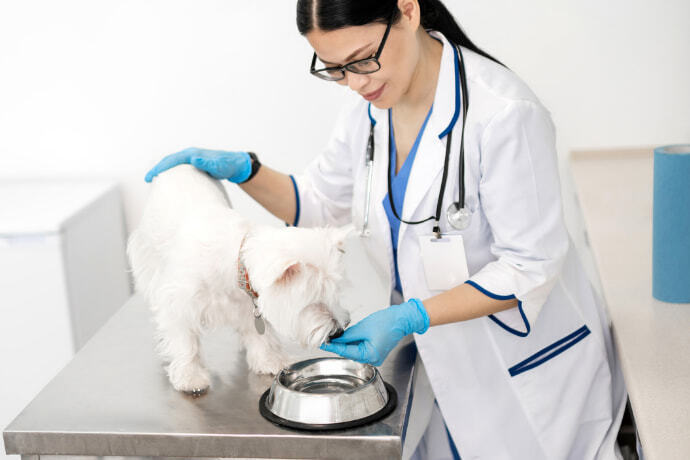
671,224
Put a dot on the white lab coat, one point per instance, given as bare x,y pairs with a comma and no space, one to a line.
538,381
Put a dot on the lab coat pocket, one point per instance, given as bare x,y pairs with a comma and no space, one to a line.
549,352
564,389
560,374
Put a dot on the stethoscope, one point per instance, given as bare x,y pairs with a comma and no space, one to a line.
457,214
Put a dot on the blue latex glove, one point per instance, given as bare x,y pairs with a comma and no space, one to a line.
370,340
233,166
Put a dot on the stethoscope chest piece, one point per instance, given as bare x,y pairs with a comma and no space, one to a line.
458,218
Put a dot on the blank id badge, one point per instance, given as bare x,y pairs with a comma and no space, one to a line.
445,263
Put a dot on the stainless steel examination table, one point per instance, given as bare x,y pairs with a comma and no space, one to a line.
114,400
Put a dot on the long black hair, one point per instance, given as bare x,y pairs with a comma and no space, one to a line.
336,14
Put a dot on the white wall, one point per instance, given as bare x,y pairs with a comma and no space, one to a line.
106,88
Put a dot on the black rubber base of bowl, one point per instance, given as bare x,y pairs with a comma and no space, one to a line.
387,409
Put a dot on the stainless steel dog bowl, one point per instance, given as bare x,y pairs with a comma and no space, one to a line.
327,393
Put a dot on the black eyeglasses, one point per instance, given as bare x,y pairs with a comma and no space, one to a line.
361,66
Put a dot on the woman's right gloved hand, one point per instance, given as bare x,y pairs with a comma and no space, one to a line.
233,166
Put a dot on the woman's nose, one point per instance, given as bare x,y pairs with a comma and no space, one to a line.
356,81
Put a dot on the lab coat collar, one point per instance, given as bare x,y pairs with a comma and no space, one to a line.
447,98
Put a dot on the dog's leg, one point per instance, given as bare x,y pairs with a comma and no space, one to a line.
178,344
264,353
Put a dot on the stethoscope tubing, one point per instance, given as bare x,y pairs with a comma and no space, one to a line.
464,94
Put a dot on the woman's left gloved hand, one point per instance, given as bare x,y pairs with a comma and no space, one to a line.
370,340
233,166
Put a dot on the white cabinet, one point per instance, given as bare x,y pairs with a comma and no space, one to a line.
63,273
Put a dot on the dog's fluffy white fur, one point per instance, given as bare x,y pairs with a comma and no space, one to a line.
184,256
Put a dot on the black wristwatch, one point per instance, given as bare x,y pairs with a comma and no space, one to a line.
256,164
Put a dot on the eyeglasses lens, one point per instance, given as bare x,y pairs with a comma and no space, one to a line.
329,74
364,66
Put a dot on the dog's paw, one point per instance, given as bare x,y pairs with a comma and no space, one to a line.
192,379
267,364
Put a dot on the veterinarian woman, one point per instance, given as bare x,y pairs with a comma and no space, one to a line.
460,211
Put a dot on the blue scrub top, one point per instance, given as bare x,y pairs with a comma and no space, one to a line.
398,186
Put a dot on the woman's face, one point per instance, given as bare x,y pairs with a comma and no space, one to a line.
398,59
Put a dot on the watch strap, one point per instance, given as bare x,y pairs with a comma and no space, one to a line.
256,164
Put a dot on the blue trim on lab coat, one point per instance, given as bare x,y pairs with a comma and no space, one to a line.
453,449
498,321
550,352
294,186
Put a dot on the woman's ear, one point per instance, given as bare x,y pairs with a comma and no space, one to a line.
411,13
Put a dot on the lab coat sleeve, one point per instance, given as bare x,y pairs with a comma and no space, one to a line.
520,195
324,189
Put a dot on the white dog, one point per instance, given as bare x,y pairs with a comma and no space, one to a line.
200,264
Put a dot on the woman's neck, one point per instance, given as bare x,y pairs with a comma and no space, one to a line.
420,93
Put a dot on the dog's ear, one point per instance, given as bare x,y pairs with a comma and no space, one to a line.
340,234
289,273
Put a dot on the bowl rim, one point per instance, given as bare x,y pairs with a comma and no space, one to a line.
386,410
307,362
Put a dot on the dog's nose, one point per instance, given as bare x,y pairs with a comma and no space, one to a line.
335,334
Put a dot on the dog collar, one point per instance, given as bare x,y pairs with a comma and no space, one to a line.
243,280
245,285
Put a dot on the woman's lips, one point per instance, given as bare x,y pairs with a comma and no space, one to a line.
374,95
